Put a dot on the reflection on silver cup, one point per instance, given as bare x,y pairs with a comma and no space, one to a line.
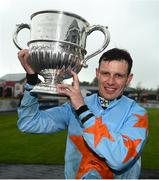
57,46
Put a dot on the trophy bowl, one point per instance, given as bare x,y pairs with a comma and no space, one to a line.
57,46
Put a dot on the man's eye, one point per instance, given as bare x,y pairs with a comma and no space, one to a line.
105,73
120,75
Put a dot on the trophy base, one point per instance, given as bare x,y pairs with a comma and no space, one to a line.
43,88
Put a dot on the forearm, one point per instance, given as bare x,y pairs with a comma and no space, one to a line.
33,120
27,111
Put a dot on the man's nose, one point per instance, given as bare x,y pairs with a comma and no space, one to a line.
111,80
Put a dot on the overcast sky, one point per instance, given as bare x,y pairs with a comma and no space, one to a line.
133,25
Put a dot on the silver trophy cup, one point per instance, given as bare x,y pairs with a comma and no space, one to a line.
57,46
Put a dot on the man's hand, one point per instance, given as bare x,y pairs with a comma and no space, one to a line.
73,91
23,56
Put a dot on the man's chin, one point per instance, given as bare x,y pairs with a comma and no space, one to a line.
110,97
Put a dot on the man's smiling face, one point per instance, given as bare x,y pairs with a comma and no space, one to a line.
112,78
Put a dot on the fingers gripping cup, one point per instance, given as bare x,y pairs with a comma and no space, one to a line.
57,46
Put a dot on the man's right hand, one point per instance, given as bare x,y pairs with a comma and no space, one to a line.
23,56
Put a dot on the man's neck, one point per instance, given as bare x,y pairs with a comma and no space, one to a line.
104,102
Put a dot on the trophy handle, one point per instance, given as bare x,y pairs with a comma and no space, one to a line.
106,33
19,27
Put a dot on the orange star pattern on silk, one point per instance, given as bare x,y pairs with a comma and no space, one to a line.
99,130
90,160
131,147
143,121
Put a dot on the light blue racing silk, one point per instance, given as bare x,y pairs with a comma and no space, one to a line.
107,145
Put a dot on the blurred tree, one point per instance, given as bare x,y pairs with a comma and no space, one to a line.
94,82
84,83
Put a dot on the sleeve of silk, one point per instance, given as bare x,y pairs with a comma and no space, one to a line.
33,120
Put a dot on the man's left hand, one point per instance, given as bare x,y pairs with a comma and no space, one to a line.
72,91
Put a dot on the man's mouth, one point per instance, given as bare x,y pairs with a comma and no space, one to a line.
110,90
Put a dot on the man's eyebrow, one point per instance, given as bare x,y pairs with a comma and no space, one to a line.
122,74
117,73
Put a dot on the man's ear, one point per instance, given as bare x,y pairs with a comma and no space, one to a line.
97,72
130,76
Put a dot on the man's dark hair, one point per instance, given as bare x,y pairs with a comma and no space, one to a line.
119,55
